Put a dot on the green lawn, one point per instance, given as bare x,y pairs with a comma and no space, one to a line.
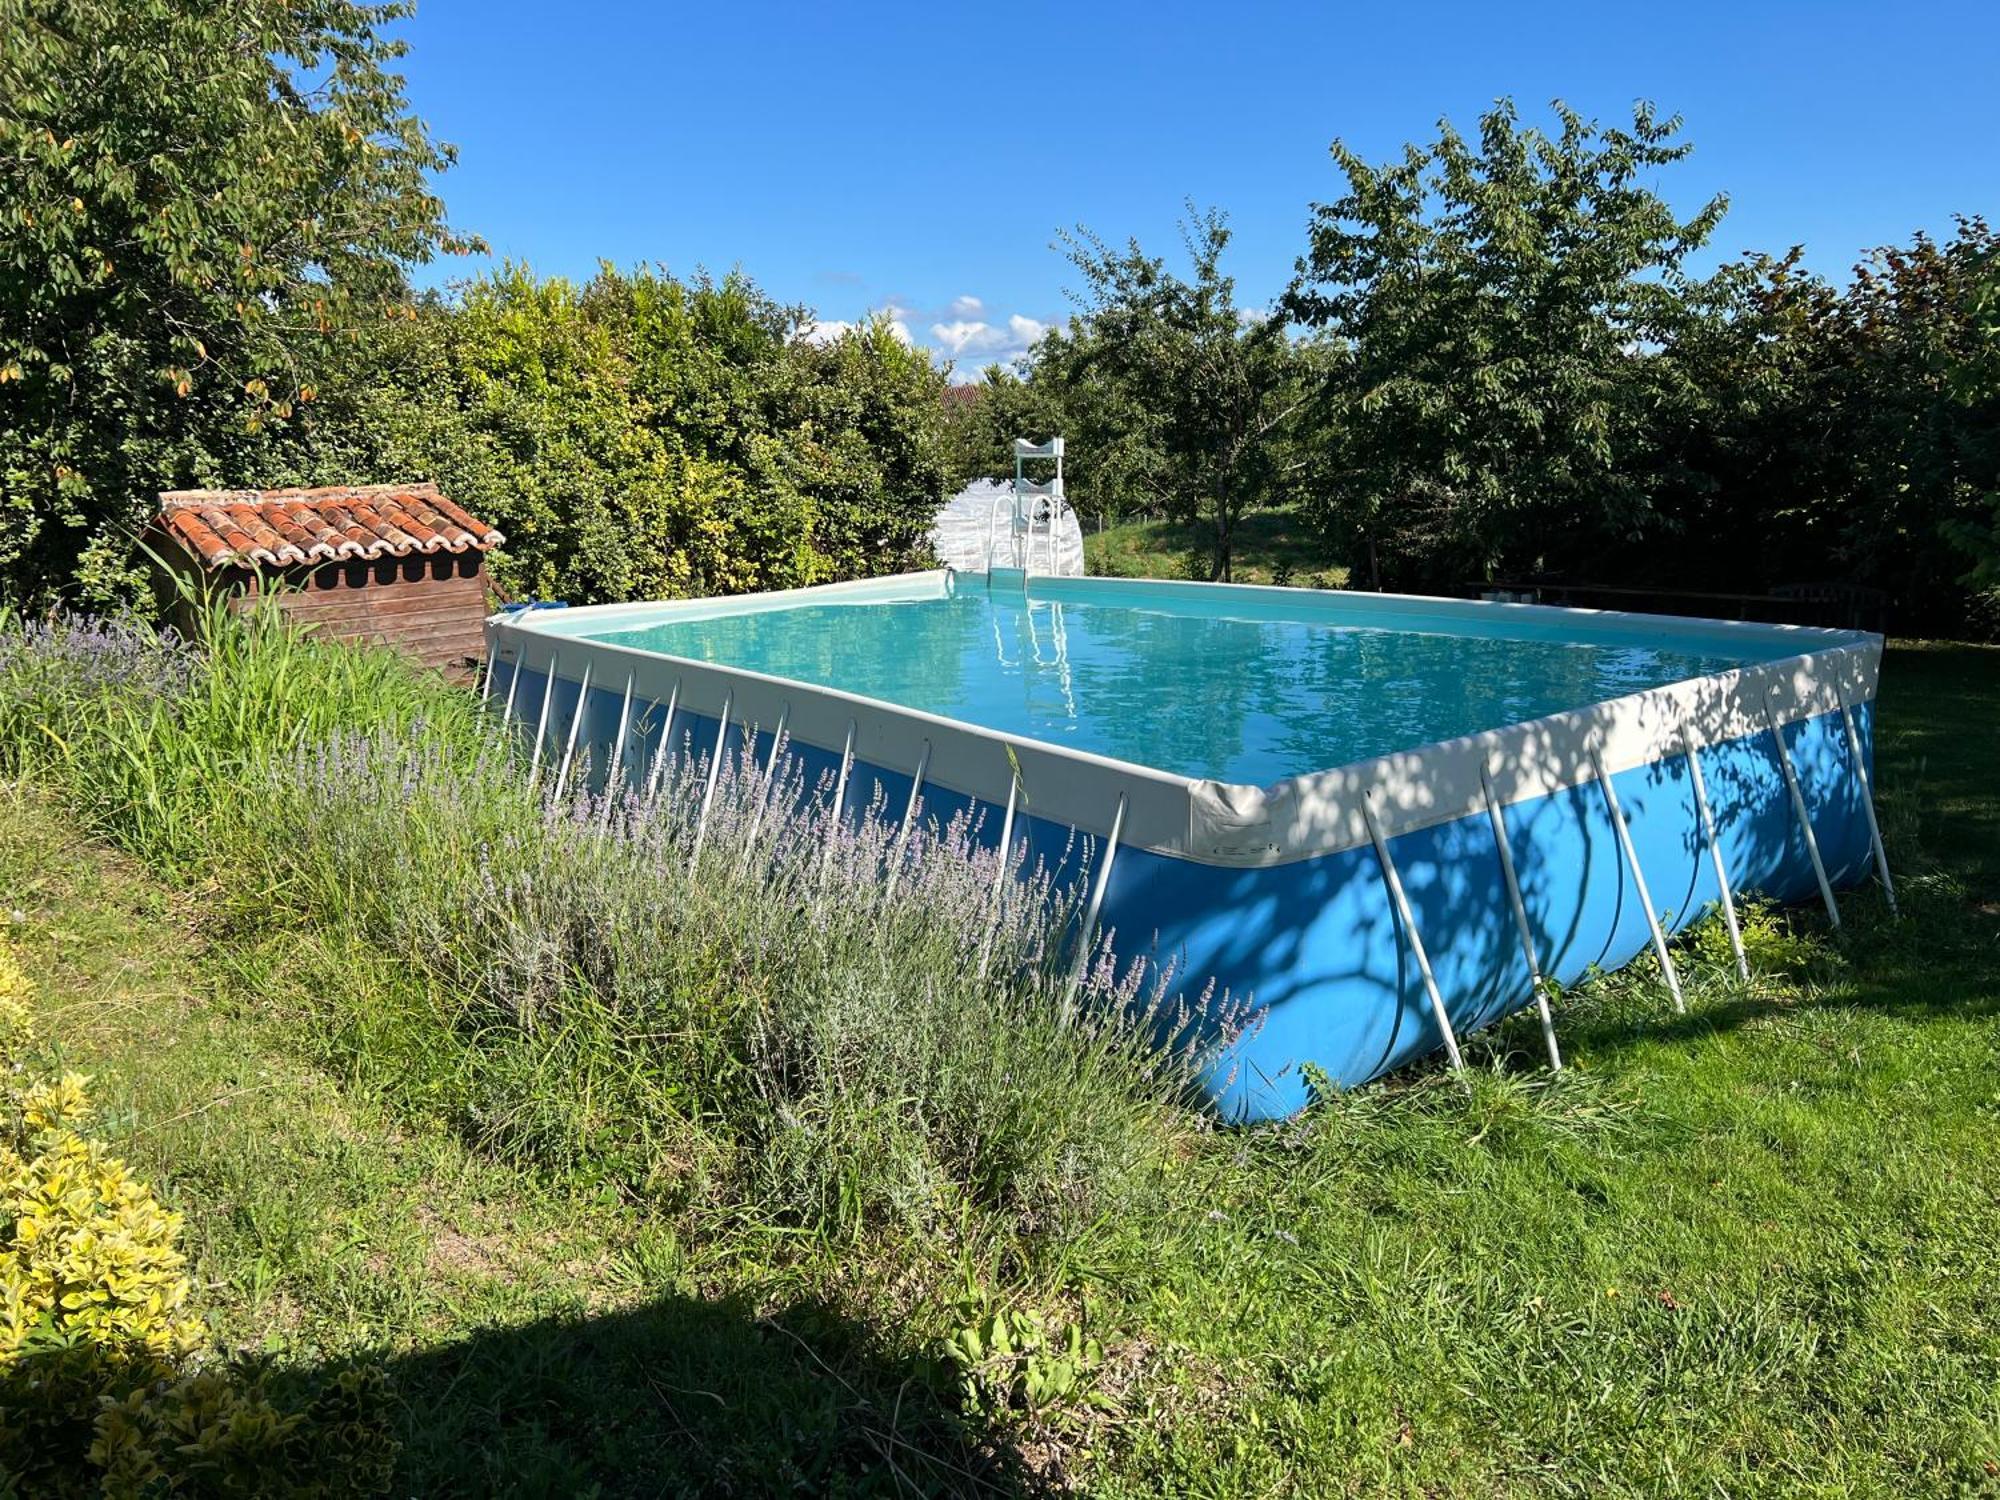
1270,546
1745,1251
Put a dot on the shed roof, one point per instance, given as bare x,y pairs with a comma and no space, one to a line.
272,528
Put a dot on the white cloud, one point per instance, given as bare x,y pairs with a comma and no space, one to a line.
826,330
964,335
1025,330
961,332
975,337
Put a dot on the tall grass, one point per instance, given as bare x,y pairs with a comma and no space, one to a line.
764,1024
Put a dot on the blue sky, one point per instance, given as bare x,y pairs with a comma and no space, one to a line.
920,158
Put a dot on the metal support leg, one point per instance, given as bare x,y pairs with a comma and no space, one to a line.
999,904
486,676
764,791
513,686
1804,815
714,775
1086,937
542,723
1521,927
1624,833
666,747
1867,799
1707,821
618,750
575,724
1409,921
840,781
909,817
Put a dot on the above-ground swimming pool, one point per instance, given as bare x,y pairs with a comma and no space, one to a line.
1370,821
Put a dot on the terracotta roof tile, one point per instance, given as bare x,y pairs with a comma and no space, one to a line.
276,528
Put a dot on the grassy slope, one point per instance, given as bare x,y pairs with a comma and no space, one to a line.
1270,546
1748,1251
543,1340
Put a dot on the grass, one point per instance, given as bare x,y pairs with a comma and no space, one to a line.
1270,546
542,1337
1747,1251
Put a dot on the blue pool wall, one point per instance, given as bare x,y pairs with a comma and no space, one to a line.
1310,955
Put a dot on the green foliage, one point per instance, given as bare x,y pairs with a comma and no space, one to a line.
1720,1251
1773,943
207,220
1856,434
1216,383
1016,1363
100,1389
1503,305
642,436
785,1028
199,203
1114,467
1176,402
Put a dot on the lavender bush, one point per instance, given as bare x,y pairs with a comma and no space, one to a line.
793,1026
771,1013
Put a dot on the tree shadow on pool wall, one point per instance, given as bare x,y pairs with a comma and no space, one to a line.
687,1397
1327,964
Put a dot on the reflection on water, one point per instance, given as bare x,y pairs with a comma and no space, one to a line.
1247,700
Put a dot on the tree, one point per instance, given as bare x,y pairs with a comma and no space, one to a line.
640,435
1973,384
1206,388
1918,373
1501,308
197,204
1844,433
1114,466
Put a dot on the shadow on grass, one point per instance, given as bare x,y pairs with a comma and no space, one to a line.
686,1397
1938,961
1936,766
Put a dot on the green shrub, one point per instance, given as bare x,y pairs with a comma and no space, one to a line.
640,435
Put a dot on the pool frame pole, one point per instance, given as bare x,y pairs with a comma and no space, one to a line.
714,775
839,799
1706,818
1804,813
764,792
1409,920
1624,832
542,721
1867,798
486,676
575,724
1520,909
659,766
909,817
513,686
998,903
840,782
618,749
1086,936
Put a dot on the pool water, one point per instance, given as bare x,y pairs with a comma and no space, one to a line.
1249,693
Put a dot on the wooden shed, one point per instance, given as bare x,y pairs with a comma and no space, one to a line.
394,563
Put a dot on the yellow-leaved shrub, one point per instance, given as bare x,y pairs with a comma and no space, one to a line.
103,1389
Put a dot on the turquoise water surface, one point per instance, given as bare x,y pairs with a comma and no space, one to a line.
1238,688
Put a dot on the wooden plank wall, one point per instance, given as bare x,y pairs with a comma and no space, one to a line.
432,609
